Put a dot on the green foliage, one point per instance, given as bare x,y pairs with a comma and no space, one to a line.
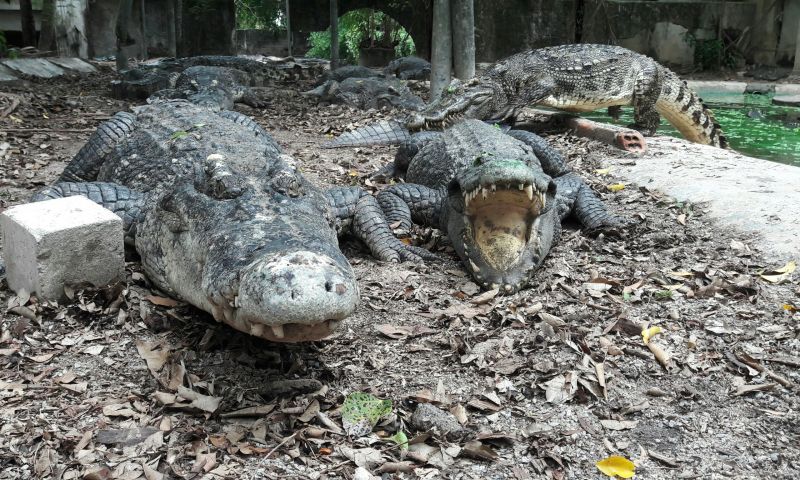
361,28
712,54
261,15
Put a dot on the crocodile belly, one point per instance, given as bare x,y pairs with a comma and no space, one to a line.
582,104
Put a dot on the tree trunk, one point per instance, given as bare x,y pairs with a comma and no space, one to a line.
143,26
334,34
441,48
765,32
797,54
288,29
172,40
124,39
28,25
47,37
463,23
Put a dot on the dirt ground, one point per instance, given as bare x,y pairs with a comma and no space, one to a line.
123,383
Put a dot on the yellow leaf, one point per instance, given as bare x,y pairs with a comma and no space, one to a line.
788,268
603,171
649,333
353,173
616,187
781,274
616,466
789,307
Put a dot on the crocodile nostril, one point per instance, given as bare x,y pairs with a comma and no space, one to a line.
328,286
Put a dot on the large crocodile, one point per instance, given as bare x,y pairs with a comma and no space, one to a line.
146,79
367,93
575,78
499,197
224,221
212,87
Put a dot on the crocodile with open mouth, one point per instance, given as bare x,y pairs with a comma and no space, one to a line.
500,198
223,220
575,78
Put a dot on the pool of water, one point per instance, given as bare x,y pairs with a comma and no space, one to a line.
753,125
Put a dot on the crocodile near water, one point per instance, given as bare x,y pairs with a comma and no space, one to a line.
500,198
224,221
576,78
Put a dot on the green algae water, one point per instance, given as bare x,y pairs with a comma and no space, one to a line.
752,124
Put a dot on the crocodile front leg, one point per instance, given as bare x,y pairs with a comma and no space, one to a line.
358,212
575,197
647,89
124,202
409,203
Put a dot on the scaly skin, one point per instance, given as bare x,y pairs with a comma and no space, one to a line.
576,78
224,221
217,88
500,198
141,82
367,93
409,68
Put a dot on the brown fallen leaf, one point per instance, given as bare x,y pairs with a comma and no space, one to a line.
618,424
745,389
478,450
485,297
162,301
256,411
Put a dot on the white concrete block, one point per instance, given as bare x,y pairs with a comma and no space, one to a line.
67,241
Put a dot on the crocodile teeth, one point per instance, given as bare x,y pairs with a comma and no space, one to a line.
529,192
508,288
544,199
521,186
484,192
494,286
494,187
475,268
257,329
277,330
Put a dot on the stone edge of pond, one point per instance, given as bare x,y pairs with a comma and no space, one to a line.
702,86
751,195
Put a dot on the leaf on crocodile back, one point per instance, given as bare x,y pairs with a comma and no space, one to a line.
616,187
362,411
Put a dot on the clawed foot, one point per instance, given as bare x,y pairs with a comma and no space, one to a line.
399,252
613,227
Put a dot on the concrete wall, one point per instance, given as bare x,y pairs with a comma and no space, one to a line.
504,27
660,29
10,22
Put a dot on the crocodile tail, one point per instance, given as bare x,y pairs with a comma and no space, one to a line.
685,110
381,133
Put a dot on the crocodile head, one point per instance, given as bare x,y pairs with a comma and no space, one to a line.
477,98
500,218
258,252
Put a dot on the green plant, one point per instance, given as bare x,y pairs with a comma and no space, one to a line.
712,54
261,15
361,28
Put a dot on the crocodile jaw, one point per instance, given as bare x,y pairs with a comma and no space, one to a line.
499,233
300,296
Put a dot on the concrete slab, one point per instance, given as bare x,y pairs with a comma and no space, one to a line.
73,64
787,89
34,67
7,76
787,100
749,194
702,86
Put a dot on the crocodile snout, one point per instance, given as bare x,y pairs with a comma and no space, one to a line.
297,296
